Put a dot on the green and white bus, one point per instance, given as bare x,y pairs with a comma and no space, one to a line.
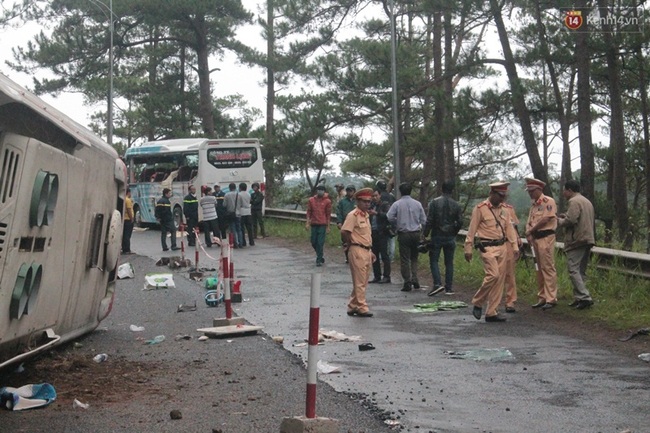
177,164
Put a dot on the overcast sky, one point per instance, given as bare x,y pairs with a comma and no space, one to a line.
231,78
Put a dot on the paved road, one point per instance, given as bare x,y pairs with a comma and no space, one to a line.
551,383
235,385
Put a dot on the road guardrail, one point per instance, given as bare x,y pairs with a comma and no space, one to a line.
627,262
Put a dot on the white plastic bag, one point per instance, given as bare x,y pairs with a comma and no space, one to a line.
125,270
159,281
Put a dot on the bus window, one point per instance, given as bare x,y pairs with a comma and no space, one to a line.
238,157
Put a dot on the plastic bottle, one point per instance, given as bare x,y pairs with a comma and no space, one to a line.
157,339
100,358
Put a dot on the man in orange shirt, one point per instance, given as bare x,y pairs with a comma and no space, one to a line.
540,233
319,213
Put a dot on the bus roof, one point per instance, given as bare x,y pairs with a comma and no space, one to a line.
185,144
12,93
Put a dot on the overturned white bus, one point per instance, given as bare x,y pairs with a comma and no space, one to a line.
62,193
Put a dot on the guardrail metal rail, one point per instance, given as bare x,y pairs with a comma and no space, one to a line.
627,262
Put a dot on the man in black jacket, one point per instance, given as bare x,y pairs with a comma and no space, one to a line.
222,219
380,236
165,218
257,200
443,222
191,212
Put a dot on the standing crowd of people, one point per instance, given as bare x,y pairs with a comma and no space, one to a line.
370,218
216,212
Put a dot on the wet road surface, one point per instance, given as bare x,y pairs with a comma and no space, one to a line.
551,383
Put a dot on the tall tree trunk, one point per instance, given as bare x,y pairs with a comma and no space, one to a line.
518,100
616,132
583,65
450,162
152,74
439,100
183,103
565,172
646,139
203,70
429,163
270,99
646,133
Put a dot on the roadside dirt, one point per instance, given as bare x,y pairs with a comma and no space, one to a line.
75,375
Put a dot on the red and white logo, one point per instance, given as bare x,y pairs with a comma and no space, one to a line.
573,20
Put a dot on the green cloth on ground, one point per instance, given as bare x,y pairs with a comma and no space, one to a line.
436,306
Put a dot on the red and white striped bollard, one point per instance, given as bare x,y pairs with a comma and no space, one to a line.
312,354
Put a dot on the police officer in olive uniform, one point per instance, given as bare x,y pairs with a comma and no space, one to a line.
540,233
490,228
356,234
511,282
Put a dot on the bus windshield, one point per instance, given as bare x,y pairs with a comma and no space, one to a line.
149,168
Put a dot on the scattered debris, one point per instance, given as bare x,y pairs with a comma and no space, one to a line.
645,357
481,354
324,335
186,307
203,338
176,414
363,347
125,270
163,261
391,422
278,339
158,281
27,396
325,368
100,358
178,262
436,306
213,298
211,283
180,337
642,331
76,403
156,340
